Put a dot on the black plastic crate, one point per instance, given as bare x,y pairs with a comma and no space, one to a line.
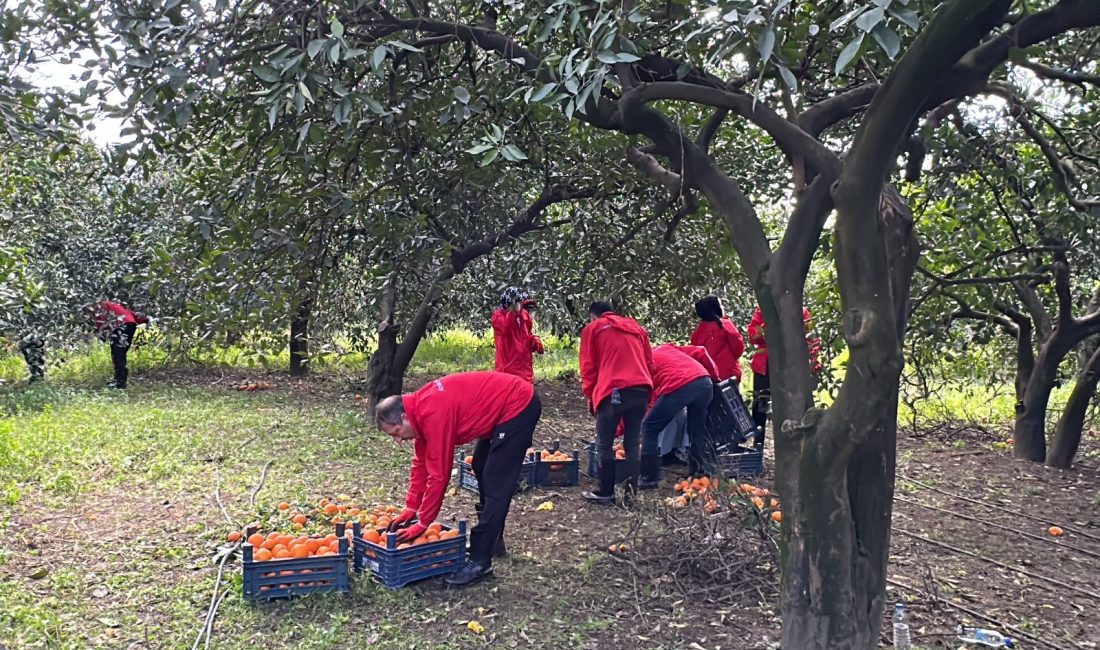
396,567
728,419
467,480
557,473
594,463
287,577
739,461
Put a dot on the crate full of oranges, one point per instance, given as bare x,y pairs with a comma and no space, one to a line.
277,565
440,550
556,468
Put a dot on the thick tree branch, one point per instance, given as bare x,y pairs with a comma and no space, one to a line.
1003,279
1035,309
1062,290
969,76
1048,72
787,135
706,135
827,112
796,250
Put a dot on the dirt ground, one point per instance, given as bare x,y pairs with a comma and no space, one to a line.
958,491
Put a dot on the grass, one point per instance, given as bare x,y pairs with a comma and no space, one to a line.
110,527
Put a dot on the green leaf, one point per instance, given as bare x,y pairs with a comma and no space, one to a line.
336,26
766,43
887,39
342,110
461,94
489,157
143,60
266,73
731,17
542,92
305,92
378,57
512,152
402,45
480,149
334,53
374,105
627,57
788,77
607,56
183,114
846,18
315,46
868,20
848,53
907,16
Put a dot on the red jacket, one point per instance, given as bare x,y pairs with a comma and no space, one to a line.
110,315
614,353
674,368
452,411
756,337
515,342
724,343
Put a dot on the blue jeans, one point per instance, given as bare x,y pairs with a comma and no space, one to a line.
695,396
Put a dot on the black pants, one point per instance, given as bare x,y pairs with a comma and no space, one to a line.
761,404
33,349
630,411
497,464
121,337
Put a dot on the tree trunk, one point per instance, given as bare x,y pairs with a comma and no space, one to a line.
299,340
1029,432
1067,435
382,381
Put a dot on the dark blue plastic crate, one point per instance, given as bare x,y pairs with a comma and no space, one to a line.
272,579
557,473
594,462
467,480
395,568
728,419
739,461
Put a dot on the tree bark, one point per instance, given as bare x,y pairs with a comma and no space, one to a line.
299,340
1067,435
1029,432
381,379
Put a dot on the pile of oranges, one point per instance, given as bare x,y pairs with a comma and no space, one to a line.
548,456
277,546
620,452
690,490
761,498
434,533
251,386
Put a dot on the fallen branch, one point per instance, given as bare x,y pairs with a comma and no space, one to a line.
260,485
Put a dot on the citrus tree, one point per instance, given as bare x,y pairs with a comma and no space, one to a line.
836,88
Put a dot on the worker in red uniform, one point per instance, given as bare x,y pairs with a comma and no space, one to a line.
616,365
116,324
497,410
683,377
513,335
761,384
720,337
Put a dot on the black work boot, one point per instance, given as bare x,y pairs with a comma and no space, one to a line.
650,472
472,571
606,494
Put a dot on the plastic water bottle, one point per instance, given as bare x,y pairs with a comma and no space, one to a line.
901,629
616,397
988,638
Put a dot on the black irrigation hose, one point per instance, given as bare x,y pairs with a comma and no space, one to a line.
1075,531
960,515
1090,594
976,614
